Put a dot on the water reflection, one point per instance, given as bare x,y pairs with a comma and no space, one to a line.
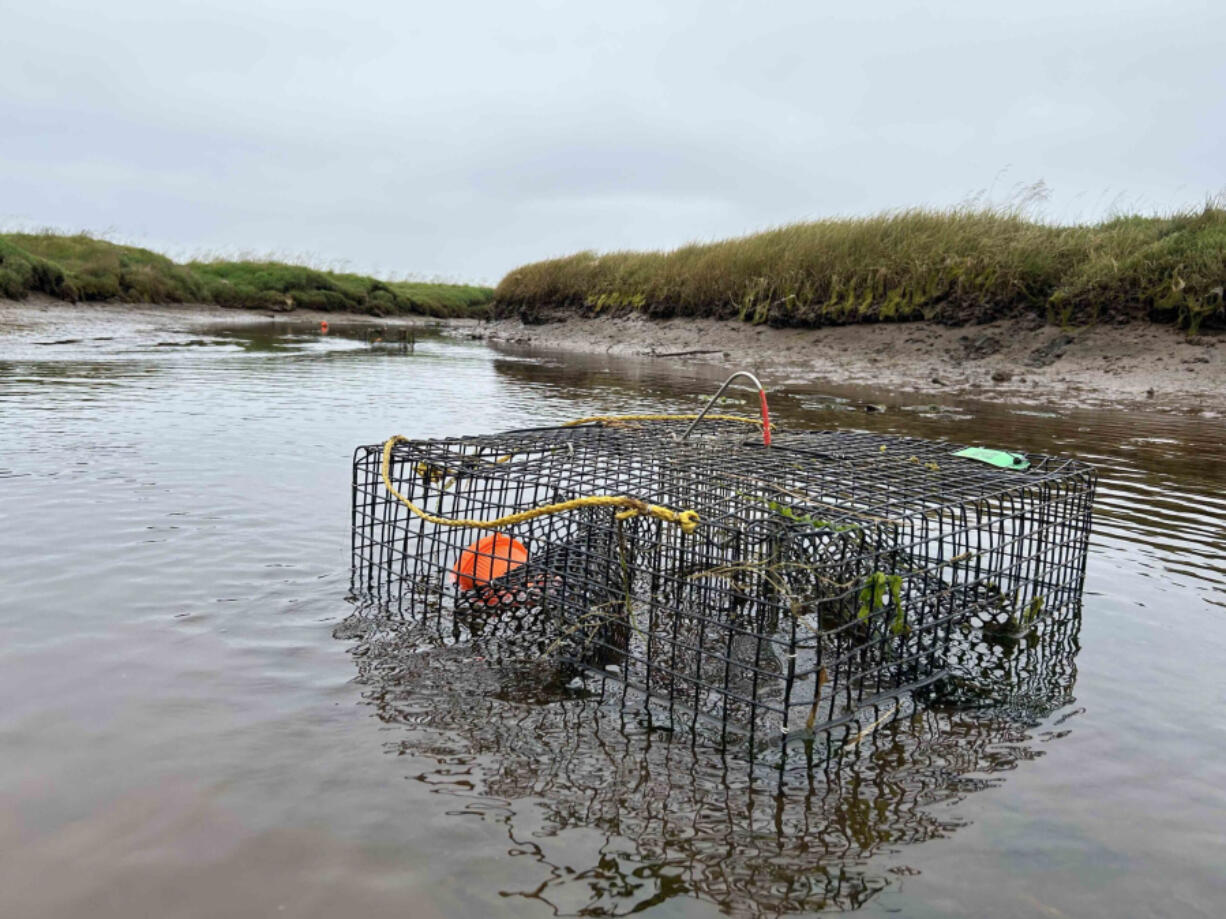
674,816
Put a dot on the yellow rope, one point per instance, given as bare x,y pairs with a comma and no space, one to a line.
687,520
632,507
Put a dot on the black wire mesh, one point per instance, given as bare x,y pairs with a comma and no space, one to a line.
831,570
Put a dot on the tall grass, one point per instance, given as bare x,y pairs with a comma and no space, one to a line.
962,265
82,267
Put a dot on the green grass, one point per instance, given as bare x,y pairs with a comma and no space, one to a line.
954,266
84,268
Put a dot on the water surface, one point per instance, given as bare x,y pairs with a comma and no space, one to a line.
182,734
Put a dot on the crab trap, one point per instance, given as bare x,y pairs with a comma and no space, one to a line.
776,589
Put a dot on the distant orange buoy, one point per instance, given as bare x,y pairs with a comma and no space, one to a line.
323,327
487,559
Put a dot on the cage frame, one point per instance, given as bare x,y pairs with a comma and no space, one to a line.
908,533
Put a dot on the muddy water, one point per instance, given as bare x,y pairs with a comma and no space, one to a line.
182,735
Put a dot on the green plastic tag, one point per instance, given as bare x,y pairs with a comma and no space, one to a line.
1001,459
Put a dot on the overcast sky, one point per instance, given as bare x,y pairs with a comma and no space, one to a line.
461,138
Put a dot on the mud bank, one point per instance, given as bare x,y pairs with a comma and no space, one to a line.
41,312
1143,364
1014,360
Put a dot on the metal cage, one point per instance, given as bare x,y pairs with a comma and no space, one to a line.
829,571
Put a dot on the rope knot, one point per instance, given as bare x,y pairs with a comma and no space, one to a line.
688,521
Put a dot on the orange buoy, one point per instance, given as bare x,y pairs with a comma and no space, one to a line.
488,558
323,327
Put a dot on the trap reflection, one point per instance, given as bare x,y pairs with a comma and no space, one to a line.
791,828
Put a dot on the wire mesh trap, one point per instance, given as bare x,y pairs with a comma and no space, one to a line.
776,590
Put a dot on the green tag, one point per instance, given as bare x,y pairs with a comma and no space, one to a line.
1001,459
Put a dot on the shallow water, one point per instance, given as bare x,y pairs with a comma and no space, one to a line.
183,735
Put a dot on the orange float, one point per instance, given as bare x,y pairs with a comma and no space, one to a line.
487,559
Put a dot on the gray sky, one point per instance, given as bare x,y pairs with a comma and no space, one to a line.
461,139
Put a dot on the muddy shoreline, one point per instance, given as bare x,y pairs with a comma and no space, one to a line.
1017,361
38,310
1149,365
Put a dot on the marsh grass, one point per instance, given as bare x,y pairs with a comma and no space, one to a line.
960,265
84,268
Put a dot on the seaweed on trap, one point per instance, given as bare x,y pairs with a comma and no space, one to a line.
830,570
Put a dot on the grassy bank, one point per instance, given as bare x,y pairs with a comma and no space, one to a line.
950,266
84,268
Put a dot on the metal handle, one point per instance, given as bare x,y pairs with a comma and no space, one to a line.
766,418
